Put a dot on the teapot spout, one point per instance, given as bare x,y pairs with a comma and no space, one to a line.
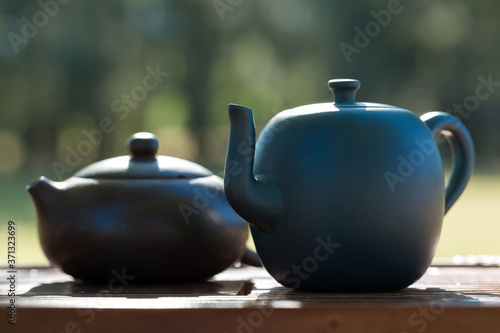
258,201
42,190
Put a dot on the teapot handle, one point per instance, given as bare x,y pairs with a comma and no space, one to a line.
251,258
462,149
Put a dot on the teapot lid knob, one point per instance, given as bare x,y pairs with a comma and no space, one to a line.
344,90
142,145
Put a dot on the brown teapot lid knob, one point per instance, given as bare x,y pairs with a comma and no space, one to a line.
344,90
142,145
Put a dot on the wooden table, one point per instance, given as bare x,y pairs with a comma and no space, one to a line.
247,300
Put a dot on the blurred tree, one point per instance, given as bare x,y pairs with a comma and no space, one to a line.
270,55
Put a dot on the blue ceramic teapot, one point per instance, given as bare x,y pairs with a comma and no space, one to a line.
345,196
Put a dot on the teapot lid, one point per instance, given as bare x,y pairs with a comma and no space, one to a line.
143,163
344,92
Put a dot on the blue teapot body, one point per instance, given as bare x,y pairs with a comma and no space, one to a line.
345,196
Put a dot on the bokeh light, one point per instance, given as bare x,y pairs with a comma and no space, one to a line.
13,152
266,55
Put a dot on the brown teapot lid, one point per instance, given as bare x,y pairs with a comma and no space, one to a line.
143,163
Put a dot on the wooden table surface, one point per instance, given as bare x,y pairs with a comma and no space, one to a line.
247,300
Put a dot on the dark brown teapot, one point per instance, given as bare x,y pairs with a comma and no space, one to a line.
157,218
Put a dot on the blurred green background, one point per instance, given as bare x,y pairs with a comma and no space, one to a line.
67,65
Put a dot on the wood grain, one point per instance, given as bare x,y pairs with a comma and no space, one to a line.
247,300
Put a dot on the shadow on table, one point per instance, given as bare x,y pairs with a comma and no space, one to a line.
83,289
408,295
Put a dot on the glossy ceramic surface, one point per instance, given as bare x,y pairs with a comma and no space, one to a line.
345,196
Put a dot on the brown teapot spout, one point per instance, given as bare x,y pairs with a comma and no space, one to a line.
41,189
45,195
